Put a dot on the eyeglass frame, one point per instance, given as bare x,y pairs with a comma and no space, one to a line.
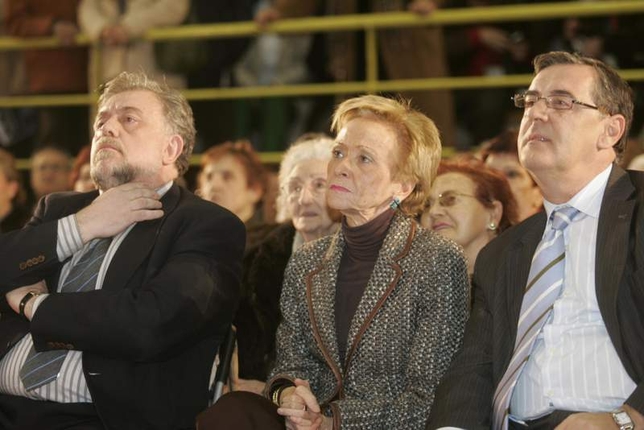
519,99
448,194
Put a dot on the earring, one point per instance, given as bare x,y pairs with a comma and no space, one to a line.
395,204
491,226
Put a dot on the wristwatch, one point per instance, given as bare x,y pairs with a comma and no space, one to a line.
622,419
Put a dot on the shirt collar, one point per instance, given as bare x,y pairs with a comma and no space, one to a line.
165,188
589,199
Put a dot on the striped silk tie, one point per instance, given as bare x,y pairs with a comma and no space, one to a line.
545,282
43,367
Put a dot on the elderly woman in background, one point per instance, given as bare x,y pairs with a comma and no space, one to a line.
13,198
372,315
305,216
470,204
500,153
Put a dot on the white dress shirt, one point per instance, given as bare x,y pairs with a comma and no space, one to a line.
574,365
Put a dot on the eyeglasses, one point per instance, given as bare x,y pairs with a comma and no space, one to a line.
557,102
447,199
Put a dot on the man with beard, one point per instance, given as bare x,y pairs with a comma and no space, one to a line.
555,337
120,297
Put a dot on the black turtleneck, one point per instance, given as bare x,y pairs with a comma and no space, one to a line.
358,259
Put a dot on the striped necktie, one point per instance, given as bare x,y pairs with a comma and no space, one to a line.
41,368
545,283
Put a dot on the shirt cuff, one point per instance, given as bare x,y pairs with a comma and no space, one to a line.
69,238
37,301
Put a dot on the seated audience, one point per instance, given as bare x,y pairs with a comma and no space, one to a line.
372,315
58,70
13,199
470,204
305,216
232,175
50,169
501,154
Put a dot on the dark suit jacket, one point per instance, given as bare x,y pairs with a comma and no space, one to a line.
149,336
464,398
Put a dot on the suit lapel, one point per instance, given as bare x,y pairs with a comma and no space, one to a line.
612,247
383,280
320,285
137,245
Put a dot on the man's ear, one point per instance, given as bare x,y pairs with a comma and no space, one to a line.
613,131
173,149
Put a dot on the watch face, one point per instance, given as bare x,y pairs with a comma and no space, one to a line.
622,418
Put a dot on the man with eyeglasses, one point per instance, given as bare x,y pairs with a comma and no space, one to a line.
556,334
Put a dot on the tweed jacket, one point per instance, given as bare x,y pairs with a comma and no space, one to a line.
407,327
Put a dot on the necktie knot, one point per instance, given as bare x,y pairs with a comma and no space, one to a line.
563,216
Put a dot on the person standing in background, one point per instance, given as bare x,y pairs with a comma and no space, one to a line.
53,71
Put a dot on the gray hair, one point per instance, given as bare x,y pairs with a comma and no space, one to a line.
310,146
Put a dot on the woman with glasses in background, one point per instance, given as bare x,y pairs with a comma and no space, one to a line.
470,204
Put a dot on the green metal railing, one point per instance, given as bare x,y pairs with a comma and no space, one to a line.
370,24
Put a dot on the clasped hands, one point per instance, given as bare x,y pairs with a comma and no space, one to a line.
301,409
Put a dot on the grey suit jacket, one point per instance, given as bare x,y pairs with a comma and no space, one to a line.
464,398
407,327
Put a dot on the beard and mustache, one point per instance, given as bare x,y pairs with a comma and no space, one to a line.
110,175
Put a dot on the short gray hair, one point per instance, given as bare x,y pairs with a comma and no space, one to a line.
309,146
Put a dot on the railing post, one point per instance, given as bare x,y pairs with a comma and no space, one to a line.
371,58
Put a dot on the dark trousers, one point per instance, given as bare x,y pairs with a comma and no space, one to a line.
241,410
546,422
20,413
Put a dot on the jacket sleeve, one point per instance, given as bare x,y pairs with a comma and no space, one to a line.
144,15
92,19
440,325
29,255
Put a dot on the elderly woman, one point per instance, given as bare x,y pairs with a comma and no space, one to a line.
13,212
371,316
470,204
305,216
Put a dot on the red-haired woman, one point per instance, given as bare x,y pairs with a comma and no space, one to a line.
470,204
